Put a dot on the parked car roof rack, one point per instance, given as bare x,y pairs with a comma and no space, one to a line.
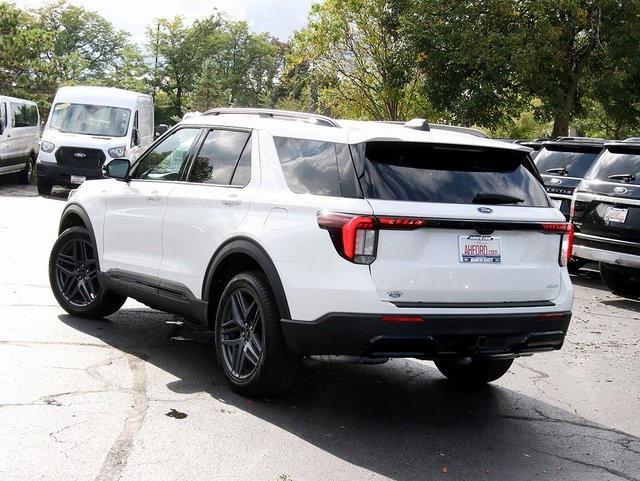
274,113
580,139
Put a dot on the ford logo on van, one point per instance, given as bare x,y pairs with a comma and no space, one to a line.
485,210
80,155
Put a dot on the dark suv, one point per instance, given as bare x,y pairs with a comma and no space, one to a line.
606,215
563,163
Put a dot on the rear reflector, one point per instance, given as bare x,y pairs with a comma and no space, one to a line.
551,316
403,319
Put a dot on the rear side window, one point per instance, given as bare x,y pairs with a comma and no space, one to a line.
309,166
576,162
621,163
242,174
420,172
217,159
24,115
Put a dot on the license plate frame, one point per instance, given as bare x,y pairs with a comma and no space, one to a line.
479,249
616,214
78,179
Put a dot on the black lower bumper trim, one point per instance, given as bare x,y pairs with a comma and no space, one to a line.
55,174
437,336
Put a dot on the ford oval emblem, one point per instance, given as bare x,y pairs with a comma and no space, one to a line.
556,181
485,210
80,155
620,190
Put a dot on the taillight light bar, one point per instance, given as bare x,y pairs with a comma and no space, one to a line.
566,244
355,237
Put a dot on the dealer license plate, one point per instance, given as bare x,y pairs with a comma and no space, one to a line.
480,249
78,179
614,214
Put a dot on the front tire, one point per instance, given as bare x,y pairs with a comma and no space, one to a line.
474,372
622,281
249,342
73,275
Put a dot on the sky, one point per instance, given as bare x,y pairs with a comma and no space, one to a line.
278,17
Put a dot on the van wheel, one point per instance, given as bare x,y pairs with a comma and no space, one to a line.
24,177
622,281
249,342
73,274
474,372
44,189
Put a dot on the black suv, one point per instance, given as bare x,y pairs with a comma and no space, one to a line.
607,217
563,163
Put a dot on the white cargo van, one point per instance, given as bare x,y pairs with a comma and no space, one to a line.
89,126
19,132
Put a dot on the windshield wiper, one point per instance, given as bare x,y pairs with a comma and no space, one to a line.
623,177
558,170
484,198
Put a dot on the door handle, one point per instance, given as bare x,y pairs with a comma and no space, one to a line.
231,201
154,197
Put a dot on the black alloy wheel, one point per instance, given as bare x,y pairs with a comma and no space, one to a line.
241,334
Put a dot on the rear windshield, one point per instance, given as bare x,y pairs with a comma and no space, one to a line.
618,163
577,162
421,172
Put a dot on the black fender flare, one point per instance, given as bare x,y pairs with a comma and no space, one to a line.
247,246
76,209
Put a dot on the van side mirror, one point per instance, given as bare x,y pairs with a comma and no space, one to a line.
117,169
161,129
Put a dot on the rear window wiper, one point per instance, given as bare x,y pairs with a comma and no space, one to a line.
623,177
484,198
558,170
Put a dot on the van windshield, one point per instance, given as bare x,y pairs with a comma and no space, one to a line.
90,119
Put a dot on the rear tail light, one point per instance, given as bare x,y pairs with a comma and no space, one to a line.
566,244
355,237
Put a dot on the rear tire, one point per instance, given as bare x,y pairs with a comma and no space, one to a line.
24,176
44,189
476,372
250,346
73,271
624,282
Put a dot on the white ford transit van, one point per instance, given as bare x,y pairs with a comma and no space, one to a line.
89,126
19,133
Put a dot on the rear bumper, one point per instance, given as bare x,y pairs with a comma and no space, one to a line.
606,256
50,173
436,337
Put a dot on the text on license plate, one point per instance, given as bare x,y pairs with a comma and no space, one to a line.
78,179
480,249
614,214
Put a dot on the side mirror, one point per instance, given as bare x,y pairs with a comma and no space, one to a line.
117,169
161,129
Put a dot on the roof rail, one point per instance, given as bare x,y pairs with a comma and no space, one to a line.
595,140
274,113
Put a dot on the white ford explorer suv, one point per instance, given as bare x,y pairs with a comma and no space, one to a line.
293,235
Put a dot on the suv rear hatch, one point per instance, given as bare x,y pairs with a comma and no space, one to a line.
563,166
459,226
607,204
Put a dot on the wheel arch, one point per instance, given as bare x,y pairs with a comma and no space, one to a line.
74,215
234,256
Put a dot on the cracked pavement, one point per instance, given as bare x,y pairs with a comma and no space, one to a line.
138,396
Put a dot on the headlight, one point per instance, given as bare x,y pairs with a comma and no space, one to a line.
117,152
47,147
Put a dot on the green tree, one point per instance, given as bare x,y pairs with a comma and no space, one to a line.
484,60
358,61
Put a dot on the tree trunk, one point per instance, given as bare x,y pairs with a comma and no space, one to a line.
564,111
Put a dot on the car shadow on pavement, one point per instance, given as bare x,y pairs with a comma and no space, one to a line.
10,187
401,420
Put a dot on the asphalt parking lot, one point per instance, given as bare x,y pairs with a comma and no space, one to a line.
138,396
